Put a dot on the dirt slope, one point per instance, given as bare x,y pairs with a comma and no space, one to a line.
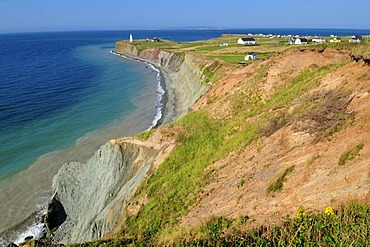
318,181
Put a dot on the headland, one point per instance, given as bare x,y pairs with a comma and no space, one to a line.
285,135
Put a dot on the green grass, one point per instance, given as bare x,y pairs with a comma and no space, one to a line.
347,226
230,59
242,182
344,226
239,57
177,182
146,134
143,45
350,154
209,48
277,183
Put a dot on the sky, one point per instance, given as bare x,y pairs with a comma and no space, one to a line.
69,15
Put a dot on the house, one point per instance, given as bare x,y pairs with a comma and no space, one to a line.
251,56
156,39
247,41
318,40
336,40
356,39
297,41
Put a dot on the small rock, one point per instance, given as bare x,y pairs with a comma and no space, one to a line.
12,245
28,238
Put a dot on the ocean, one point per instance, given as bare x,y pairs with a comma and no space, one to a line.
63,95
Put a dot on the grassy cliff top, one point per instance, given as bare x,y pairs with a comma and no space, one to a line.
234,53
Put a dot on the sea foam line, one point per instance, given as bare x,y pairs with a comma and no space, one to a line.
160,91
35,231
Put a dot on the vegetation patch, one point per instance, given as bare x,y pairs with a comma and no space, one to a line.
241,182
360,52
276,184
142,45
230,58
347,226
326,113
350,154
178,181
274,123
209,71
146,134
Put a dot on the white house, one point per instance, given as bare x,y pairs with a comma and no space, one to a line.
297,41
356,39
251,56
319,40
247,41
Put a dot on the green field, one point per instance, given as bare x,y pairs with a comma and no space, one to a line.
234,53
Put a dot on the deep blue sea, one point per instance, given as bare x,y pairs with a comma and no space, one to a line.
63,94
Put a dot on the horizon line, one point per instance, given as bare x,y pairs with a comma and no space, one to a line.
179,29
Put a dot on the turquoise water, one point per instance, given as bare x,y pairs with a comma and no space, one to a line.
109,98
62,107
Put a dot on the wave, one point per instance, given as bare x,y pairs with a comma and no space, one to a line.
160,91
35,231
31,228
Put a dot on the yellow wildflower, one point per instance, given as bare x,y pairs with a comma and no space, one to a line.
329,211
300,212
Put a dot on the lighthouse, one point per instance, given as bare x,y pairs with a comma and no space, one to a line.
130,37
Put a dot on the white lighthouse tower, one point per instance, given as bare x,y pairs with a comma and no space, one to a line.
130,37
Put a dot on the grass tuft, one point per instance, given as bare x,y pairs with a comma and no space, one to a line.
146,134
276,184
350,154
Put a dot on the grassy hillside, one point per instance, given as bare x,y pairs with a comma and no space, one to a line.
275,154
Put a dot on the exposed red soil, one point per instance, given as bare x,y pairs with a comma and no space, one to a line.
318,180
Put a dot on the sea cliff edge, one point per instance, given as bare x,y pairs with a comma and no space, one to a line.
88,199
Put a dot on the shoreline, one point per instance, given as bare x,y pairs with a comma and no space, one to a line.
167,100
33,224
167,109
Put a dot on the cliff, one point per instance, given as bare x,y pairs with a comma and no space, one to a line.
269,137
89,198
266,139
183,73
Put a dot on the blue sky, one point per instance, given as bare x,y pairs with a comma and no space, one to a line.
60,15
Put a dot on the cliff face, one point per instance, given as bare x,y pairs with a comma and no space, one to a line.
164,59
89,198
183,73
